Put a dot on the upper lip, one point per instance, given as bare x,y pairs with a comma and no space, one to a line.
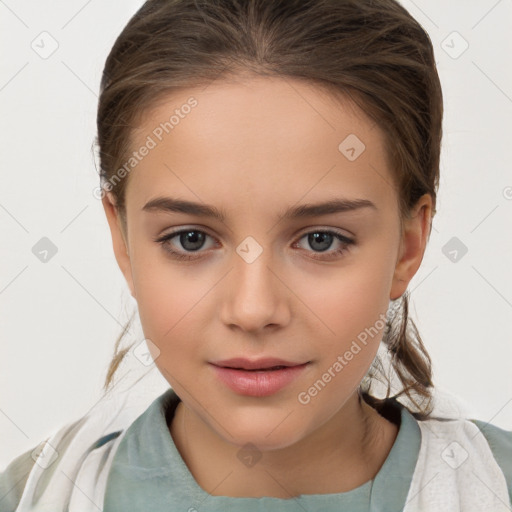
254,364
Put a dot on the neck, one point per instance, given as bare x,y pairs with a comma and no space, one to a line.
341,455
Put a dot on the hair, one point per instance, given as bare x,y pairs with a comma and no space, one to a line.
371,52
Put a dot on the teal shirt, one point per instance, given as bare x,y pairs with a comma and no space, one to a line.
148,473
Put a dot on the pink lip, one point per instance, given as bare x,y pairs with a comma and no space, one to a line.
254,378
255,364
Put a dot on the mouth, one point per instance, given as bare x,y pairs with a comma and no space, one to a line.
273,368
257,378
264,364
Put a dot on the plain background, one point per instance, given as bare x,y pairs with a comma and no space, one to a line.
59,319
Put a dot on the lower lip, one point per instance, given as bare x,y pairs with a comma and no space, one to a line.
259,382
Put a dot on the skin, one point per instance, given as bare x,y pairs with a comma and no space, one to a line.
254,147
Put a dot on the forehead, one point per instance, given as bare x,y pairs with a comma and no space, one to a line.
262,138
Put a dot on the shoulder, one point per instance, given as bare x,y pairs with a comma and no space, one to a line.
500,442
16,477
477,453
13,479
86,441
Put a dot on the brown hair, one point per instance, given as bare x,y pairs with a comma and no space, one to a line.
371,51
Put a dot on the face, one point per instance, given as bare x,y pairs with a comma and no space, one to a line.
264,281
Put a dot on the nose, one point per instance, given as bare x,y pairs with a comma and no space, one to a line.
254,297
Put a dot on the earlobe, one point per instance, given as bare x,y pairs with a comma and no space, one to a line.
415,234
119,240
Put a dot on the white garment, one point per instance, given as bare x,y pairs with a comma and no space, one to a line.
456,470
76,480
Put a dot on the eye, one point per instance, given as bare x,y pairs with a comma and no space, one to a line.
321,241
192,240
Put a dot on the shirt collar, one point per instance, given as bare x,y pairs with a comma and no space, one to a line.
148,453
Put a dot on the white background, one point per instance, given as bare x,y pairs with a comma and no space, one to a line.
59,320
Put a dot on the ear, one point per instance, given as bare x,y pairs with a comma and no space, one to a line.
119,239
415,234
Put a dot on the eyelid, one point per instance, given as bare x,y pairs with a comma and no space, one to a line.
315,229
177,231
180,229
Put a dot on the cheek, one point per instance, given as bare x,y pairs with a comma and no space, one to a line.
171,303
347,300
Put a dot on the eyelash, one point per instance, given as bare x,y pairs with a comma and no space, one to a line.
163,241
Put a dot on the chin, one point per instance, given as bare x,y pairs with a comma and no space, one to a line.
271,433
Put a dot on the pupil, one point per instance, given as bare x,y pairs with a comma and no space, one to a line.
196,238
324,239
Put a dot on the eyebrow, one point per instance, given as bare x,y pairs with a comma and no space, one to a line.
169,204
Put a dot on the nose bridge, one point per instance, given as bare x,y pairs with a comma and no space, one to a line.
255,295
252,273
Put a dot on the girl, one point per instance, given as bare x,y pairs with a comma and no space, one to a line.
269,176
